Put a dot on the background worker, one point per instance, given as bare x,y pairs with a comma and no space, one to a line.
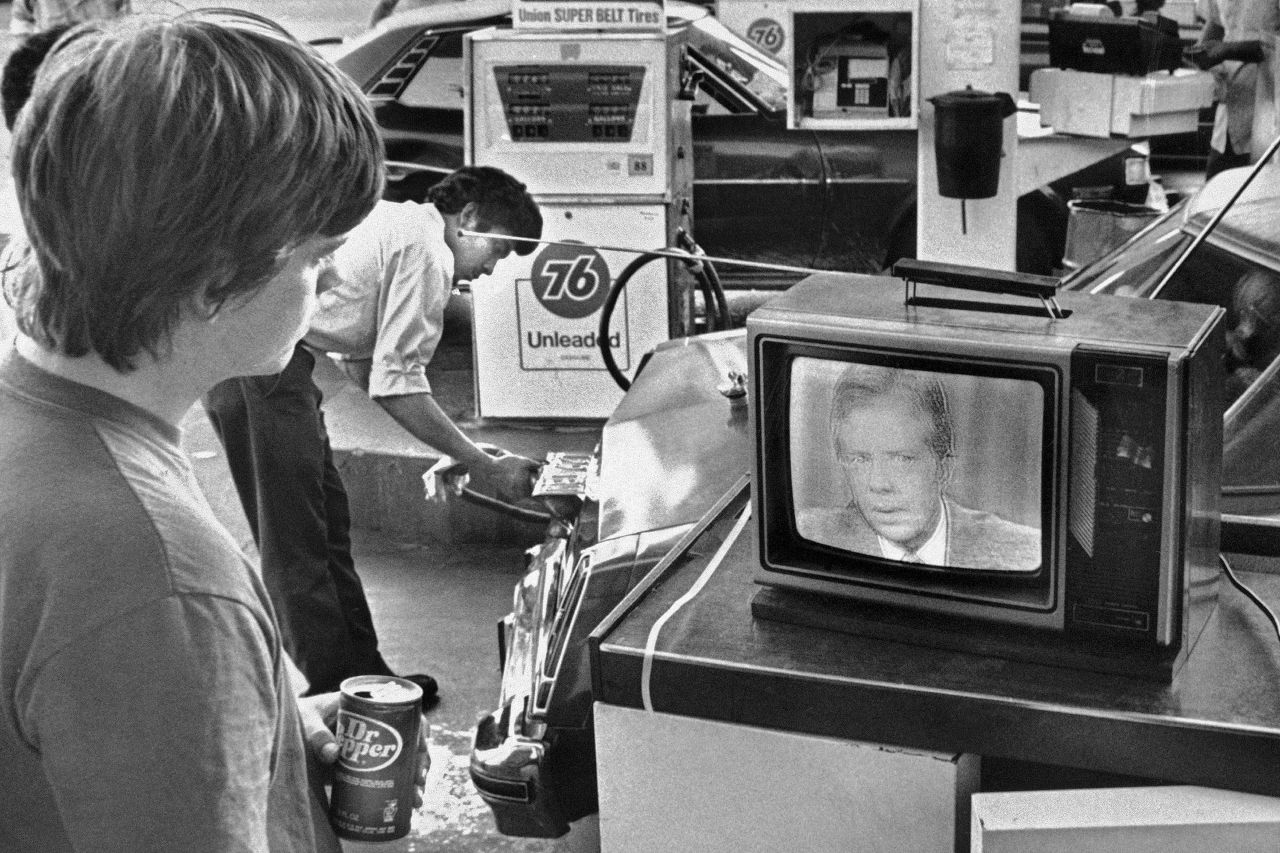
1231,44
381,312
146,701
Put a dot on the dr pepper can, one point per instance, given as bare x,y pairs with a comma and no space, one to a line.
379,724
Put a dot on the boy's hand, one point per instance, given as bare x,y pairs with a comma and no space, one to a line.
319,716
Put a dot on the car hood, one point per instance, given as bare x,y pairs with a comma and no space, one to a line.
676,421
1250,228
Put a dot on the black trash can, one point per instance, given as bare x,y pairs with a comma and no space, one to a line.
1095,227
968,141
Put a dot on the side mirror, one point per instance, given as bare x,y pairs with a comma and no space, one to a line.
691,78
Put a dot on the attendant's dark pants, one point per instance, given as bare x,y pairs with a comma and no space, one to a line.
1221,160
278,450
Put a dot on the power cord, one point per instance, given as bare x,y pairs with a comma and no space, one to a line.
1250,594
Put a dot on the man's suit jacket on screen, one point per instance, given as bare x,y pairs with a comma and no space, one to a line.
976,539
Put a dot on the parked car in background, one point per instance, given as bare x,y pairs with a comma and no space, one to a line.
679,441
832,200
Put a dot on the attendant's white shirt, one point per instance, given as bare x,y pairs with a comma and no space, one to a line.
933,551
1243,86
388,287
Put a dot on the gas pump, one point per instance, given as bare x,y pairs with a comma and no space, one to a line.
593,125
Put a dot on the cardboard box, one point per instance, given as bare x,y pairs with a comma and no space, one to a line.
1159,103
1156,124
1090,104
1076,102
1163,819
673,783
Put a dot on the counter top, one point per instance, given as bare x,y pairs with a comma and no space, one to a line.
1216,724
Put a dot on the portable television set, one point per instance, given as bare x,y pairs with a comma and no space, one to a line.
1037,481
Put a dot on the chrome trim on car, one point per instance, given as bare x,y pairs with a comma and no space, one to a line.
557,636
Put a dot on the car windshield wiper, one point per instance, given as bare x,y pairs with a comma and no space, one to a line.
722,82
1217,217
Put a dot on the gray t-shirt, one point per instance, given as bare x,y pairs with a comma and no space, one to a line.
384,295
145,703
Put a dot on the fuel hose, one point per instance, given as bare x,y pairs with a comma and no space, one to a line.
497,505
717,306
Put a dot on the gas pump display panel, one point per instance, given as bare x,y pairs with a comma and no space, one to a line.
570,103
852,66
573,115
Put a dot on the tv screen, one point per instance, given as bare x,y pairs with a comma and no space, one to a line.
926,468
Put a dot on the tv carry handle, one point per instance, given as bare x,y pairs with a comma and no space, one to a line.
1043,287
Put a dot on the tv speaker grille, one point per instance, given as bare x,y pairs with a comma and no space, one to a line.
1084,476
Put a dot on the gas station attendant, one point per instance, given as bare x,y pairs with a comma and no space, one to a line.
381,312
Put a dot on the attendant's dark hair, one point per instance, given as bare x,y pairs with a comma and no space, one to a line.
500,201
165,166
20,70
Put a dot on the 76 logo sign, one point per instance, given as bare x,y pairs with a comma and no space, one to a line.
570,281
766,34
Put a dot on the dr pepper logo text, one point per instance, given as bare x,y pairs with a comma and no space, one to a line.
364,744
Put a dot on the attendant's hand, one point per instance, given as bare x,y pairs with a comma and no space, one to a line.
512,477
1204,55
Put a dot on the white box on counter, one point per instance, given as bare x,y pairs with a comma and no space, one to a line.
1159,819
1090,104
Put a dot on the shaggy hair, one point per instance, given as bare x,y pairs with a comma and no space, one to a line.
165,165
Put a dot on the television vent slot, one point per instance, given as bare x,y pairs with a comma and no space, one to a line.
1084,473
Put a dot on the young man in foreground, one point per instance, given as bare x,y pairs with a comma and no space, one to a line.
181,183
